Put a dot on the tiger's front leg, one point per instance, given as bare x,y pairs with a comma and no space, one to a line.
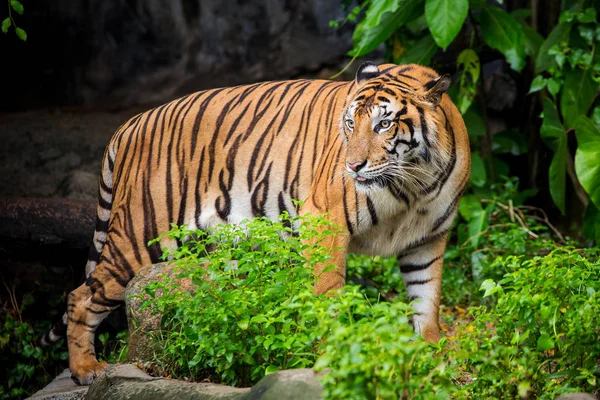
337,247
422,274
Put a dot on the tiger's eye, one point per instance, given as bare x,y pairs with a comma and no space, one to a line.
350,124
385,124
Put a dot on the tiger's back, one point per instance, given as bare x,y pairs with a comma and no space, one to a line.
224,155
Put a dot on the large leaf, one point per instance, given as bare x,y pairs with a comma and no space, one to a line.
367,36
554,135
559,34
577,95
478,175
587,158
468,63
420,52
445,19
503,33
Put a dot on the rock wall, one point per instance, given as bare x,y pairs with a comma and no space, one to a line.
121,53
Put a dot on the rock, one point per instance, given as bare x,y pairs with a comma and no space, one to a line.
80,185
576,396
61,388
128,382
147,51
142,324
293,384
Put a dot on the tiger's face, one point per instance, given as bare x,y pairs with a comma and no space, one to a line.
389,137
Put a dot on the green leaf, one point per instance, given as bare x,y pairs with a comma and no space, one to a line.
420,52
478,176
21,34
469,205
554,135
468,63
503,33
477,224
5,25
490,287
559,34
445,19
367,37
577,96
17,6
474,123
589,15
537,84
271,369
587,158
545,342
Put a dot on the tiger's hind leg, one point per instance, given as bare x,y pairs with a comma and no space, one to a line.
88,305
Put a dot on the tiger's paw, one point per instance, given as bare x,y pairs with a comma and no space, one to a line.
84,374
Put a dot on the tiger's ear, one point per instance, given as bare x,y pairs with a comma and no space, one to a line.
365,72
434,89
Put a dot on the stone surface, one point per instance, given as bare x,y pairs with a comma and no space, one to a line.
293,384
576,396
119,53
61,388
128,382
142,324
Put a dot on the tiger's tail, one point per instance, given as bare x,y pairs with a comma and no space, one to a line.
105,197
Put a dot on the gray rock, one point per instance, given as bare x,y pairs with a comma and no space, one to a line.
576,396
128,382
293,384
80,185
61,388
143,324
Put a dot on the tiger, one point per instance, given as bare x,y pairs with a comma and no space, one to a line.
386,156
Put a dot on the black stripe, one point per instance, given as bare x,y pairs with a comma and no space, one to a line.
372,211
407,268
418,282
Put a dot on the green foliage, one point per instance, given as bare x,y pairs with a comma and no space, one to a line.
268,322
540,336
503,33
26,366
445,18
17,7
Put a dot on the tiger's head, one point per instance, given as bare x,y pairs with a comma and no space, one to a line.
391,125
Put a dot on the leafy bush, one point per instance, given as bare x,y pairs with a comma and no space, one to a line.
540,336
251,312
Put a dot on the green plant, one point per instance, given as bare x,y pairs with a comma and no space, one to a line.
250,313
8,22
540,336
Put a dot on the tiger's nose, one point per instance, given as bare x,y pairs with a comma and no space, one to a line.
356,166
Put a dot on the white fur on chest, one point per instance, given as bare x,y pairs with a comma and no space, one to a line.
397,227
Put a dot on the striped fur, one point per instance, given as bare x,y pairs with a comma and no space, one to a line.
387,156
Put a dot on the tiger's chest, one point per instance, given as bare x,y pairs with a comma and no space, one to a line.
397,228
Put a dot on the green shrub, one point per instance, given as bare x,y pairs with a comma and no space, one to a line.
540,336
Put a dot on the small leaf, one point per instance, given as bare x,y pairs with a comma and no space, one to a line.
559,34
5,25
469,204
271,369
537,84
490,287
17,6
445,19
21,34
545,342
503,33
468,63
